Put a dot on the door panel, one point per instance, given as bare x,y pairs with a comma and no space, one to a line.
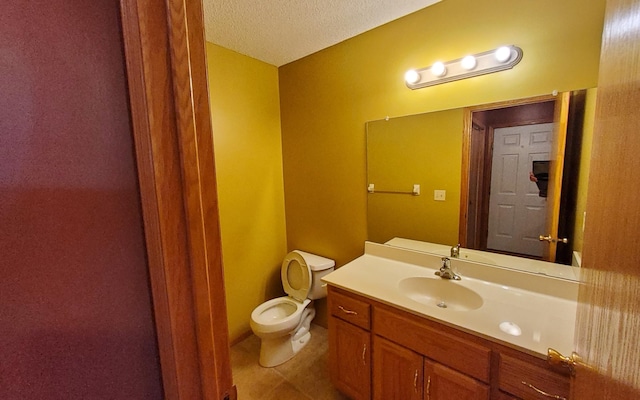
608,323
516,211
76,317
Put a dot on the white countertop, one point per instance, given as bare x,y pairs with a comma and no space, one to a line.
543,307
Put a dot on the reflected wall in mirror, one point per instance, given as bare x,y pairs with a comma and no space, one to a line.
422,149
452,150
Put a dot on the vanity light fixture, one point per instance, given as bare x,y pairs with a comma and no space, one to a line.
503,54
500,59
468,63
438,69
412,76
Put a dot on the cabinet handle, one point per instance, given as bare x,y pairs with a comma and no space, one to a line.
344,310
542,392
364,351
429,388
415,382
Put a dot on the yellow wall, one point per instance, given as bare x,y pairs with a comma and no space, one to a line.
423,149
327,97
247,144
585,164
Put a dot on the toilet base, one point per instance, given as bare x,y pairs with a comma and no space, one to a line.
279,350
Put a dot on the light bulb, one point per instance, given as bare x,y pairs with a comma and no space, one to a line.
438,69
503,54
468,63
412,76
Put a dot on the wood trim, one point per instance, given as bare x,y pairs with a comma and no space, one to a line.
467,129
512,103
522,123
200,195
173,142
148,70
483,230
554,191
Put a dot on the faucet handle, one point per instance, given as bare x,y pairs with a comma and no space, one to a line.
455,251
445,271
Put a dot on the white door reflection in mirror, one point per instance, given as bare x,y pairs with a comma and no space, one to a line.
517,212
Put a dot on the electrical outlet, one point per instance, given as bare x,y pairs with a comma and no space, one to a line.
439,195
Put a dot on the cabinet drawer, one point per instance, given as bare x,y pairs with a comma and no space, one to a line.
350,309
529,381
460,354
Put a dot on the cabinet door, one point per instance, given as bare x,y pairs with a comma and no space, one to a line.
350,359
397,372
442,383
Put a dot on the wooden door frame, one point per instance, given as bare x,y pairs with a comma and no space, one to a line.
466,152
164,48
478,199
560,118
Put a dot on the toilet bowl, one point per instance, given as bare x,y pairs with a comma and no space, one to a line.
283,324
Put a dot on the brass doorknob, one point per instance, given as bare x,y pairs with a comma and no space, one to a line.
555,358
550,239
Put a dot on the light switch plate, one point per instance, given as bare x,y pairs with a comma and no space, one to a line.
439,195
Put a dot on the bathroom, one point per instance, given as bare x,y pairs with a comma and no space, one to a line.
298,144
322,123
316,136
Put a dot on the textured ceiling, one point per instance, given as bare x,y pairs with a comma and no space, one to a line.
281,31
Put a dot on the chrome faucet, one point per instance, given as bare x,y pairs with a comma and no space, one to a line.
446,272
455,251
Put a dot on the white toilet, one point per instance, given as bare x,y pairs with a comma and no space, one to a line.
283,323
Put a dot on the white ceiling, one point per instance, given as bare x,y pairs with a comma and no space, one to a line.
280,31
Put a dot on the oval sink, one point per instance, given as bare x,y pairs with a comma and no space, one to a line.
441,293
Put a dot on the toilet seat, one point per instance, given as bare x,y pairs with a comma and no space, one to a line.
286,315
296,276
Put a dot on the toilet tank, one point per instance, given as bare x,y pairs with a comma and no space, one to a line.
319,266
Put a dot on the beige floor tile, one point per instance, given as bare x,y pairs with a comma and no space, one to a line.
304,377
286,391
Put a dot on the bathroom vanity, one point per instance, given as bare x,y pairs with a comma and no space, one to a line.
397,331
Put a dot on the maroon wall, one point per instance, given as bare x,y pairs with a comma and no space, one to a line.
76,318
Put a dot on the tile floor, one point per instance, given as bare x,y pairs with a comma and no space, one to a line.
304,377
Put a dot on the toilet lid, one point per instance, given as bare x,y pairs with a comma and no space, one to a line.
296,276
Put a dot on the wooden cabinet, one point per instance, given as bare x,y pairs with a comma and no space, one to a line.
397,372
443,383
402,374
415,358
530,379
350,347
441,344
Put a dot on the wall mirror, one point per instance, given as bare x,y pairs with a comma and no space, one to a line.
492,177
